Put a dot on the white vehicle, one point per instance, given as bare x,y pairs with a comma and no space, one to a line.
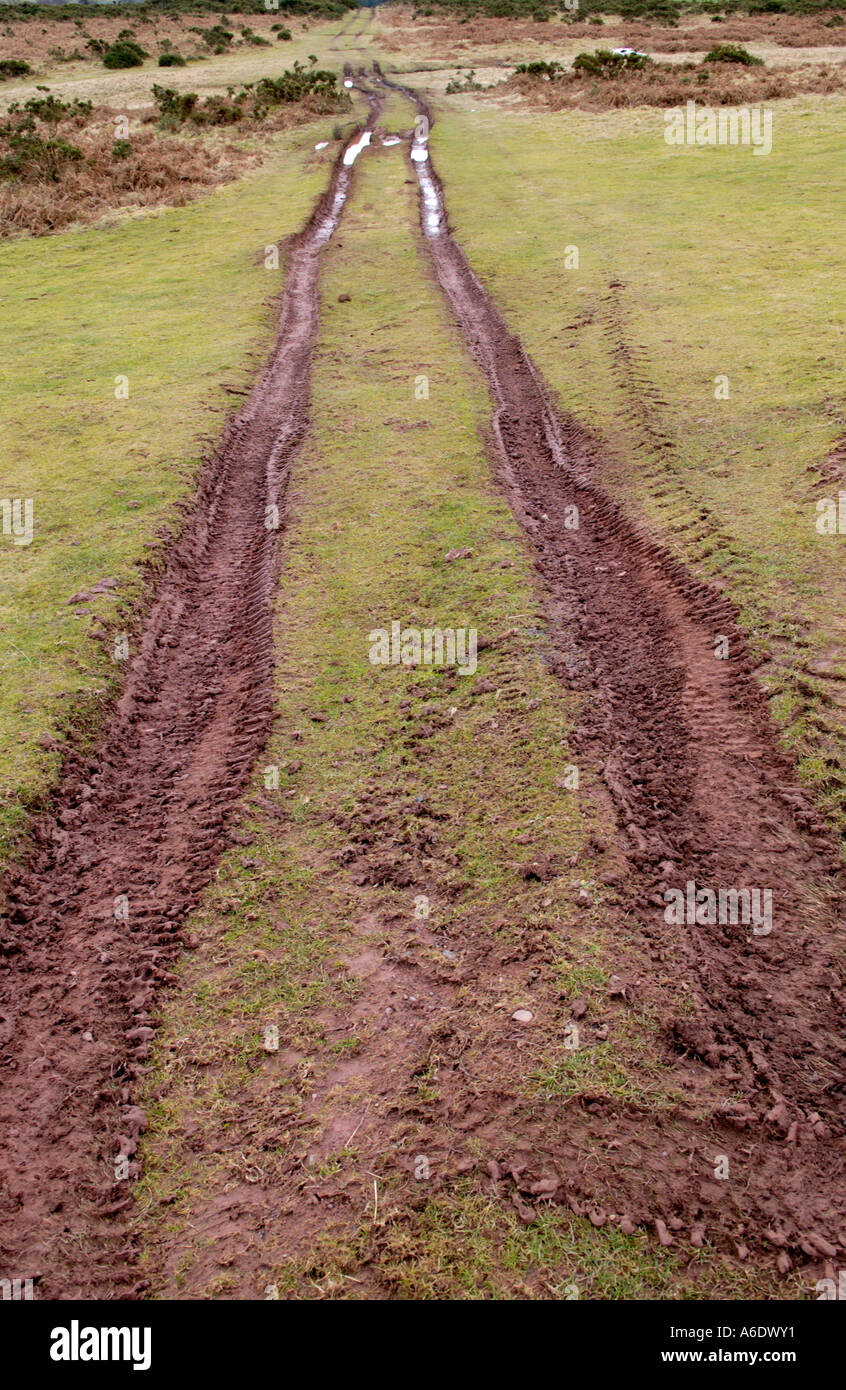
629,53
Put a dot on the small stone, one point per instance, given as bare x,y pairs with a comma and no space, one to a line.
522,1016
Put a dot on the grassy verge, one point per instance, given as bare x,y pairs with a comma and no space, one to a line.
176,304
672,293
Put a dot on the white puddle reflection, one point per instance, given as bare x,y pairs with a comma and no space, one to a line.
433,213
353,151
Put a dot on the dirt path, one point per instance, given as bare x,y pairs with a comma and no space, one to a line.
94,916
749,1047
348,31
680,732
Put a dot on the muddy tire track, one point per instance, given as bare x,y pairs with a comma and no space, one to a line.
815,698
94,914
684,744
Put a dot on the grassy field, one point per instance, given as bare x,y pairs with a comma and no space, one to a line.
709,277
178,303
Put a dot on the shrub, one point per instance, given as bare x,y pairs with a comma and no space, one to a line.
250,36
732,53
124,53
294,84
540,69
31,156
62,57
219,110
174,107
217,38
51,109
469,84
171,60
662,11
604,63
254,100
121,149
13,67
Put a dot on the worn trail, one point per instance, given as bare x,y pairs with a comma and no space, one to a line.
94,915
680,733
676,726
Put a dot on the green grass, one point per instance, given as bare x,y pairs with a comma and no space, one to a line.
178,302
692,264
468,1246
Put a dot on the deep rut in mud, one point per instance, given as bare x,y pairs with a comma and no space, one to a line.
682,739
94,916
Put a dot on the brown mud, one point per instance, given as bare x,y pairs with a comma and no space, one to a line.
679,730
94,914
